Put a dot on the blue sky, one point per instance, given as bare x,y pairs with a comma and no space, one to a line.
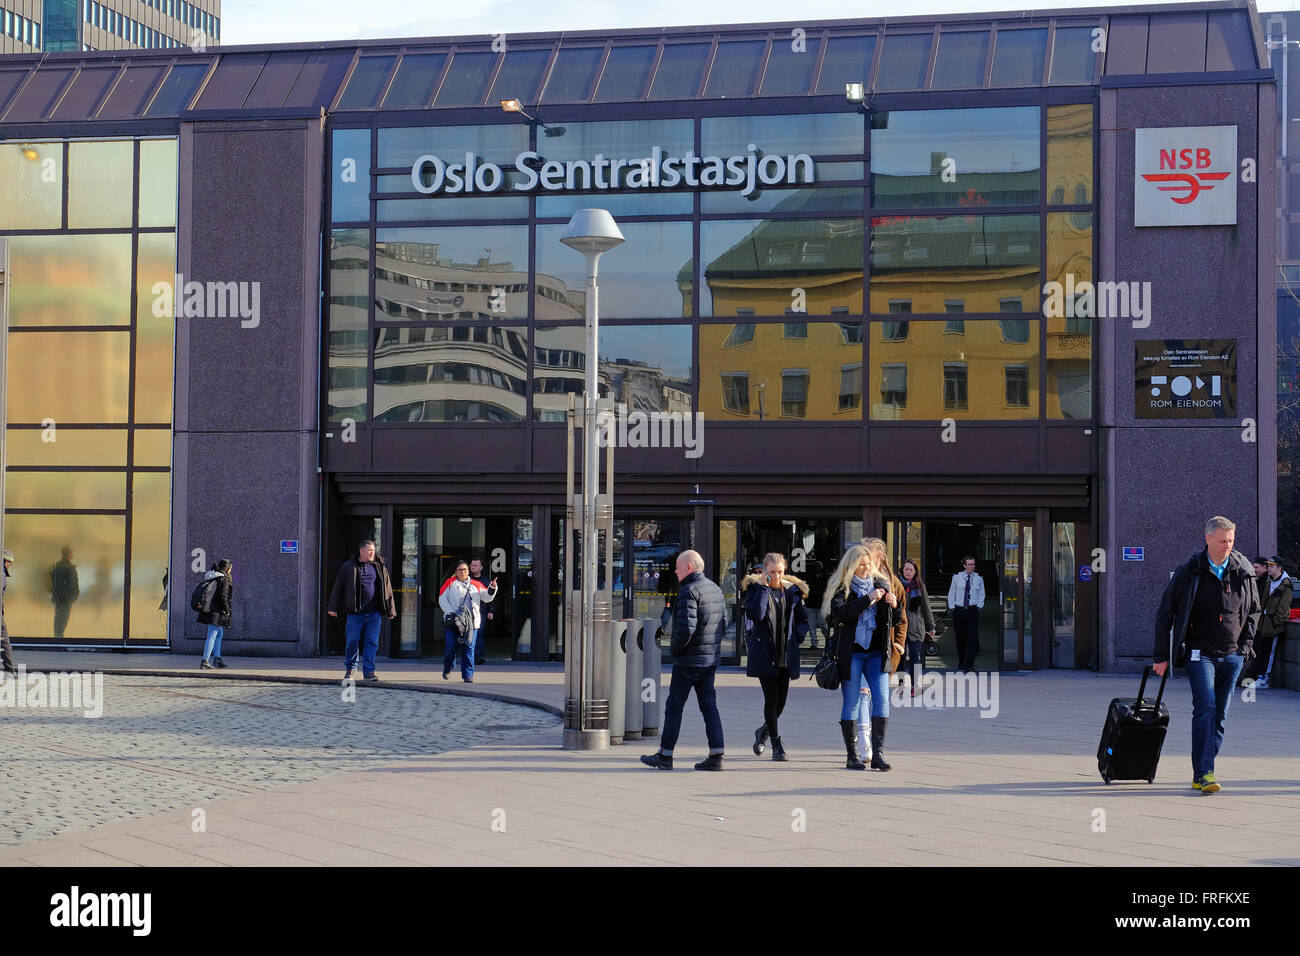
293,21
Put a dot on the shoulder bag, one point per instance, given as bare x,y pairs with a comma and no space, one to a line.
462,619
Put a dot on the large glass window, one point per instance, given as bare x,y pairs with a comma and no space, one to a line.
1073,58
466,79
764,375
629,139
955,158
848,60
1069,317
903,61
770,266
960,62
452,272
817,134
624,77
645,367
416,77
649,276
367,83
498,143
1018,57
735,68
680,70
519,76
572,75
80,400
347,344
975,376
70,280
987,261
350,176
790,65
451,374
31,185
1069,154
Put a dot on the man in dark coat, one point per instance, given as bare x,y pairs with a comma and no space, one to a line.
1207,618
364,592
699,623
6,649
65,587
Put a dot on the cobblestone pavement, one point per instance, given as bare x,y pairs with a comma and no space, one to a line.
166,743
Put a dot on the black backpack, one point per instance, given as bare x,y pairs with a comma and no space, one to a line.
201,596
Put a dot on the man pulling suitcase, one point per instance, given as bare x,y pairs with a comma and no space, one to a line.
1206,622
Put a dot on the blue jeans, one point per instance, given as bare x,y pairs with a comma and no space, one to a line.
212,648
865,669
363,629
1213,680
684,678
479,656
466,658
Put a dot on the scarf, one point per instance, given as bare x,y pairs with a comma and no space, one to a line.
867,619
776,617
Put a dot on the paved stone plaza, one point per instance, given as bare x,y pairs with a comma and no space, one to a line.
288,774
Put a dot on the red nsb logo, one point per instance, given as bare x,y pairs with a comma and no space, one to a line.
1190,185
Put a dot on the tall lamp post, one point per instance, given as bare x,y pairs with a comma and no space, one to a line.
4,371
592,232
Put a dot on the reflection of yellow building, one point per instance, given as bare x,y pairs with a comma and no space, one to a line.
975,370
810,371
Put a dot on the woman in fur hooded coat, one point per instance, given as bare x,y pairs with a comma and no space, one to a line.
776,623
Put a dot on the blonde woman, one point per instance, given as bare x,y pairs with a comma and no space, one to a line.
865,605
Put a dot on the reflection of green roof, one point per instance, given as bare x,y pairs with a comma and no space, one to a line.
962,241
977,189
802,246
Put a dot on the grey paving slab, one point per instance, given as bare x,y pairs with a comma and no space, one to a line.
402,786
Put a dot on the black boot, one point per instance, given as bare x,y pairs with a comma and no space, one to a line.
760,736
878,725
658,760
778,749
850,731
711,762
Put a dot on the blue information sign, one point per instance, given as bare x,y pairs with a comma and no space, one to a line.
1135,554
288,546
1085,572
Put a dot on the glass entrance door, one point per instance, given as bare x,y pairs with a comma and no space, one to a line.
1003,552
428,552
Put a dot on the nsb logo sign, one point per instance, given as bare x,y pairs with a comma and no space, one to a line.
1176,172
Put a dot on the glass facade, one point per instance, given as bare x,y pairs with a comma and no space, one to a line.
88,471
973,211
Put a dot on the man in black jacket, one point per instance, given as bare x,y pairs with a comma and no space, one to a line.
364,592
1207,618
699,622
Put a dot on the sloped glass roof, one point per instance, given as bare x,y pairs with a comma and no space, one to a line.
896,54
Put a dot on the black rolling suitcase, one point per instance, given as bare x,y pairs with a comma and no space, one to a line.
1134,733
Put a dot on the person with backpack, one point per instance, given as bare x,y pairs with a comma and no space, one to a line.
213,600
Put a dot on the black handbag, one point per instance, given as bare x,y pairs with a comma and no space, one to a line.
827,671
461,621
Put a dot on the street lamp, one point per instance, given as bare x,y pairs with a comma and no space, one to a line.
592,232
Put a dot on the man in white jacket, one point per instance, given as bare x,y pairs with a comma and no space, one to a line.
457,591
965,601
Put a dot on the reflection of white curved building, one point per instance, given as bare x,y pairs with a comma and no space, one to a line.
559,363
414,283
451,374
348,313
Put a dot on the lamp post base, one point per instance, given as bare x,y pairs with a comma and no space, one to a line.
585,739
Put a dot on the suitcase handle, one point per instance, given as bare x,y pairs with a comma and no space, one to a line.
1146,672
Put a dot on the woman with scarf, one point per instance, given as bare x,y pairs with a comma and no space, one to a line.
920,622
776,623
865,605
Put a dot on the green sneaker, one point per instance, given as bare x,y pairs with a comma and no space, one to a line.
1209,784
1196,783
